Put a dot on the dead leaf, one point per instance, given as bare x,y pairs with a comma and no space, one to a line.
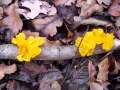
51,43
67,13
88,9
103,70
64,2
98,86
5,2
114,9
29,33
95,86
4,69
16,85
79,3
56,86
36,7
48,25
34,68
11,85
1,12
13,20
118,23
117,68
49,85
92,71
106,2
52,75
50,80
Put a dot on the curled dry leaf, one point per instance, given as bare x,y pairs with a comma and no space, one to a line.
117,68
88,7
98,86
4,69
64,2
13,20
36,7
91,71
49,85
106,2
48,25
114,9
103,70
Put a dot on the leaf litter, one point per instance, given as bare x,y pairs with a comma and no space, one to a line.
60,22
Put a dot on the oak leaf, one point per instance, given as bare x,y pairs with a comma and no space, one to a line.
48,25
4,69
36,7
13,20
103,70
114,9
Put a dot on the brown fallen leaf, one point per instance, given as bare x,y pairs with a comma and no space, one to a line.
48,25
95,86
106,2
98,86
16,85
5,2
103,70
49,85
36,7
56,86
1,12
29,33
88,7
64,2
118,22
34,68
11,85
13,20
79,3
4,69
117,68
92,71
114,9
50,80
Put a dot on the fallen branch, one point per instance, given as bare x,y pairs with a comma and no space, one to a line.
9,51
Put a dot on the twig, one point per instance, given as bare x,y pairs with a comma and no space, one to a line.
9,51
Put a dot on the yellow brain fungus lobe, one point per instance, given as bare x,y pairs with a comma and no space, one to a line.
91,39
108,42
28,48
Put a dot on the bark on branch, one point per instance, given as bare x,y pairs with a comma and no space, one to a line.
9,51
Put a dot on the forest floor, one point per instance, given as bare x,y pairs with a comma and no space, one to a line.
60,22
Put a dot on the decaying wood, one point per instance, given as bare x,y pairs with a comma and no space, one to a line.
9,51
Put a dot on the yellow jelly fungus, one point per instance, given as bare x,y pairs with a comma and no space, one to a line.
28,48
91,39
108,42
98,34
